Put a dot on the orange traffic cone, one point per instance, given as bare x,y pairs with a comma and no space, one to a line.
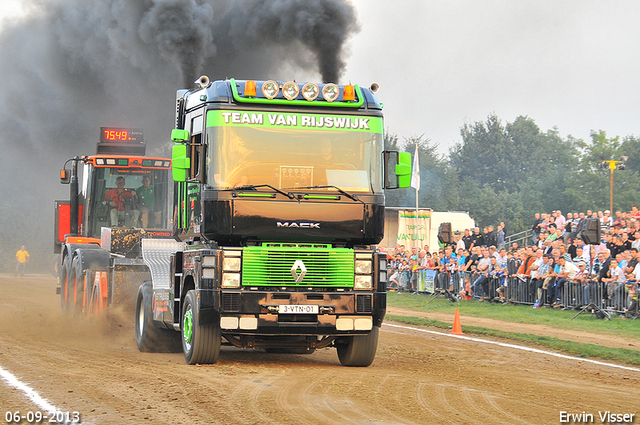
457,328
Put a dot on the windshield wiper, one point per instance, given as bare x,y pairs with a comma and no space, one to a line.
341,191
255,187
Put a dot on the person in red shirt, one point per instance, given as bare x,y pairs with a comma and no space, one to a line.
116,198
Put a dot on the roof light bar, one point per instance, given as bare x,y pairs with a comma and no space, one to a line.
332,94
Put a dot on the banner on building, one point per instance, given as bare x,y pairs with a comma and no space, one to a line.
413,229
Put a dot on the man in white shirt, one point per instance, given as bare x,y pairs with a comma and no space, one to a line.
567,272
636,242
484,268
459,242
560,220
536,264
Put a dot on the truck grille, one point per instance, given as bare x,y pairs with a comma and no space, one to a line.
271,266
231,301
363,303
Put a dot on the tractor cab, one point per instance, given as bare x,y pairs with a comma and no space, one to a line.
131,193
118,187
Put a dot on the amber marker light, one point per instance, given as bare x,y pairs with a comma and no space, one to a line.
250,88
348,93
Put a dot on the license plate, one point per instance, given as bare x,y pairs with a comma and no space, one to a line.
298,309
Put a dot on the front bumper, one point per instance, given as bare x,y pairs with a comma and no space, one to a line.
258,312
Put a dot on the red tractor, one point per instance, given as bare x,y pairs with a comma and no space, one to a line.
117,198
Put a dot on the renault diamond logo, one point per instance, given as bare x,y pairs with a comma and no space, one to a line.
294,270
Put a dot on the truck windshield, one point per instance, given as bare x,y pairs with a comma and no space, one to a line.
249,148
115,205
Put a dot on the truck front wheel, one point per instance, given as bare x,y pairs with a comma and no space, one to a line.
149,337
358,350
200,343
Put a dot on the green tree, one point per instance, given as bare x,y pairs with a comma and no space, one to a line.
589,185
514,166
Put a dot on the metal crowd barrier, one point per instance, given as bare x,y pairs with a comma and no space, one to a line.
526,291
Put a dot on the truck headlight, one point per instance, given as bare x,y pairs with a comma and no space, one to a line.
363,267
230,280
363,282
231,264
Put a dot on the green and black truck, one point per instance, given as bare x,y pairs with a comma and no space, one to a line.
278,206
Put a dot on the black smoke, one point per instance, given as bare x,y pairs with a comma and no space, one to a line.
72,66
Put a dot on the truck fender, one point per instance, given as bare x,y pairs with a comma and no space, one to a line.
70,249
93,258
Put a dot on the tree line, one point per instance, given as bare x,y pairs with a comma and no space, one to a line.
508,171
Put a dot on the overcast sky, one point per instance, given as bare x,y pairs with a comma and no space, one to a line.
566,64
440,63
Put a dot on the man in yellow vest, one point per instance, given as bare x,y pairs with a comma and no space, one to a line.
22,256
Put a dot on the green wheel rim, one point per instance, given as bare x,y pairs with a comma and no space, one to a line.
187,327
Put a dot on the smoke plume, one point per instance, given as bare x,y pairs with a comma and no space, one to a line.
72,66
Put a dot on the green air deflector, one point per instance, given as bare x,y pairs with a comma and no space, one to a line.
271,266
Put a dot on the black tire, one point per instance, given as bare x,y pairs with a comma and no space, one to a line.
359,350
75,292
149,337
64,283
93,301
89,293
200,343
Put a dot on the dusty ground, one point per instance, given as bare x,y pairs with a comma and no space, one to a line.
96,369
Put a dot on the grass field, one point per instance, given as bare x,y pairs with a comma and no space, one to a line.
519,314
525,314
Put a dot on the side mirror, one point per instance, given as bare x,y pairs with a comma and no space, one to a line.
397,169
179,136
180,163
65,176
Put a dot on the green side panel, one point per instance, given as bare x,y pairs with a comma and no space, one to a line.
294,121
271,266
182,205
180,163
185,206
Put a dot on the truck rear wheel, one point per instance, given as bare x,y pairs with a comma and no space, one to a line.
75,291
149,337
64,284
359,350
200,343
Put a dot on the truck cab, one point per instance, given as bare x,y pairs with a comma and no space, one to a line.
278,203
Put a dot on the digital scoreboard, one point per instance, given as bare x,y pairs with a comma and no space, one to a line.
121,135
121,141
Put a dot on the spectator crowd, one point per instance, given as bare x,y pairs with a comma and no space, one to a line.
553,269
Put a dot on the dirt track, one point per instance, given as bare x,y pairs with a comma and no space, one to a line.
96,369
